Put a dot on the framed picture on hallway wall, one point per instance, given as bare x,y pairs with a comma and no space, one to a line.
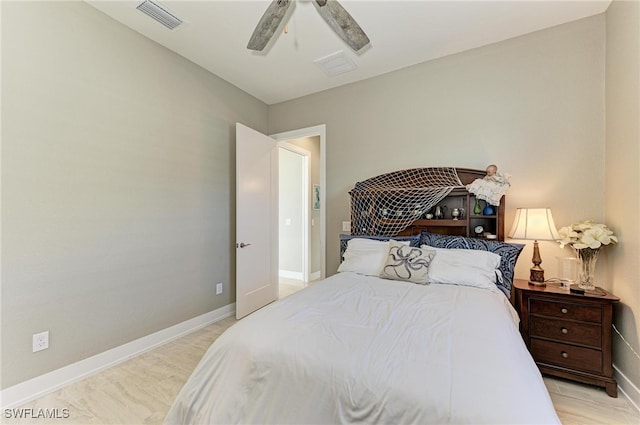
316,196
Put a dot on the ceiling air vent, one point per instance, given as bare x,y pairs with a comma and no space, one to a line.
160,14
335,64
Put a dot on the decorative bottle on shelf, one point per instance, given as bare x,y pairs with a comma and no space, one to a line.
488,210
439,214
477,209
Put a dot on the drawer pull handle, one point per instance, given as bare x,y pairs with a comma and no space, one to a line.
565,354
564,331
564,310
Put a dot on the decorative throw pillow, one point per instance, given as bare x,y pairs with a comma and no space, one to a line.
365,256
344,240
407,263
466,267
508,253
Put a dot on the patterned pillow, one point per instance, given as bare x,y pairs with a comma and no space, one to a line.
344,240
508,252
407,263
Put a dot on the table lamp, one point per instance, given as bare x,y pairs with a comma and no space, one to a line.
534,224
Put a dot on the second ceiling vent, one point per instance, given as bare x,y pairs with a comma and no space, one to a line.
160,14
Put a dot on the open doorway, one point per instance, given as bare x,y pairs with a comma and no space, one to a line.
257,192
301,251
293,217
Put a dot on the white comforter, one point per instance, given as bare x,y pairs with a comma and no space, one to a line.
362,349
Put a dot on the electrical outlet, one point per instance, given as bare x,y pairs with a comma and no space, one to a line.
219,288
346,226
40,341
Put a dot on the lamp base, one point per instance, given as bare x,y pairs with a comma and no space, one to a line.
536,278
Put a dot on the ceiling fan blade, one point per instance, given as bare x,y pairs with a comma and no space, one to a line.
342,23
268,24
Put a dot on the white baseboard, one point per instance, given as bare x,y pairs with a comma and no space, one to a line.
315,275
27,391
287,274
627,388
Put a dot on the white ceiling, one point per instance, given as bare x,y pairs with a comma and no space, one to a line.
402,33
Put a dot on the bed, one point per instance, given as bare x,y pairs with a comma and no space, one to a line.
408,348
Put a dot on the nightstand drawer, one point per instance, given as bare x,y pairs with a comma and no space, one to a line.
566,331
584,313
566,355
568,334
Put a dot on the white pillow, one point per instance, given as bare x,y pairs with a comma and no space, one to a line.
467,267
407,263
365,256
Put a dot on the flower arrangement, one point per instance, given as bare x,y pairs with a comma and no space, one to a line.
586,238
586,234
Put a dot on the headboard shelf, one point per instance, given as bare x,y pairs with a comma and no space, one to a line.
441,223
491,224
383,220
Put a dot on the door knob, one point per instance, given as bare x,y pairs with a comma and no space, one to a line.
243,245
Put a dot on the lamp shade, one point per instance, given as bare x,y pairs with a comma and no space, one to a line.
534,223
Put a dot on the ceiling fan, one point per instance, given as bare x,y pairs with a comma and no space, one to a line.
336,16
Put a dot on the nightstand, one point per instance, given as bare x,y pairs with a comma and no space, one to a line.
567,334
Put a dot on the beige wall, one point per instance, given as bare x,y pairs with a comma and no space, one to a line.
534,105
117,185
623,181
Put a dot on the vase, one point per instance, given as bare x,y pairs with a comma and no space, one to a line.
477,209
488,210
587,267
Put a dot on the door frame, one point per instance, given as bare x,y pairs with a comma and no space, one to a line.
319,131
306,179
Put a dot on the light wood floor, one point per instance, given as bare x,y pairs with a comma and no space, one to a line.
141,390
289,286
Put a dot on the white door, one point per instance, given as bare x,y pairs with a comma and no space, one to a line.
256,220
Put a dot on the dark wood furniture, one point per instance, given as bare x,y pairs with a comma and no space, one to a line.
464,226
369,206
567,334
